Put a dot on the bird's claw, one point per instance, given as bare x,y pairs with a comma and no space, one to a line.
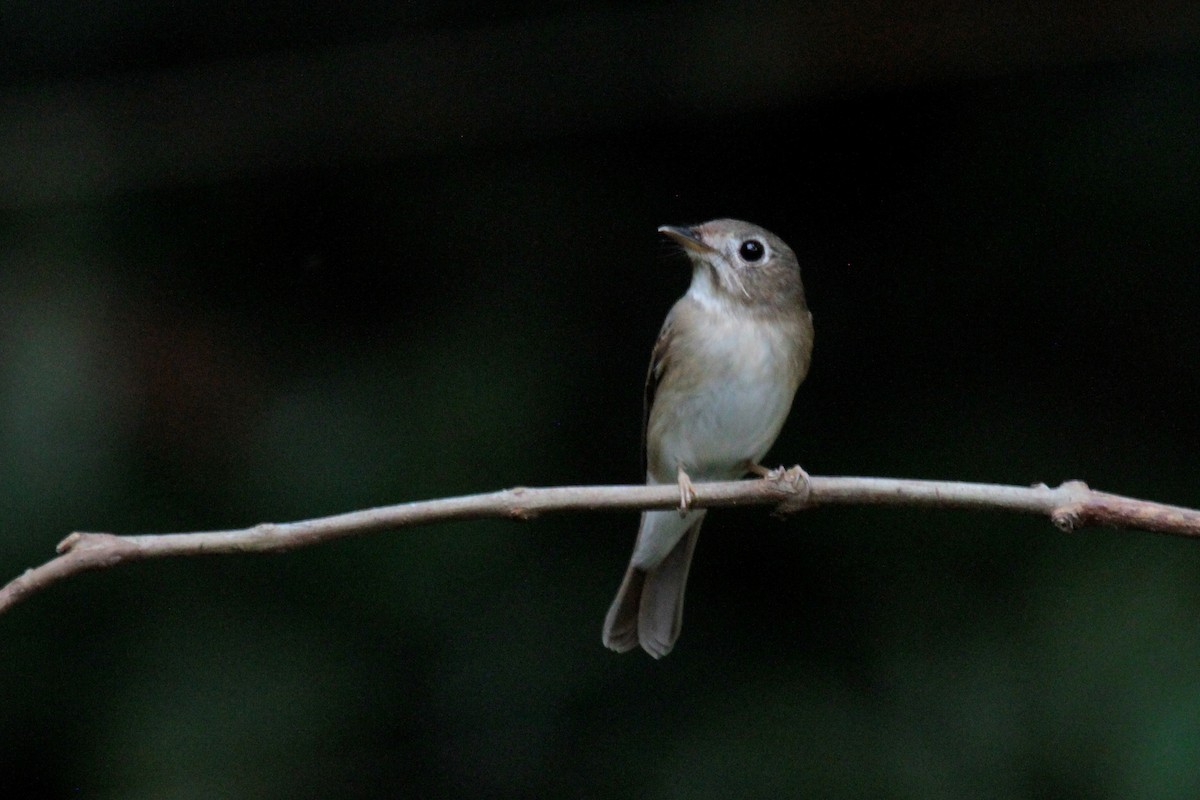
796,480
790,475
687,493
793,476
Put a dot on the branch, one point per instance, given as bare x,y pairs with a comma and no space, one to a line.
1070,506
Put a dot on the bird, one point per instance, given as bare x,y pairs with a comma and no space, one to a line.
723,374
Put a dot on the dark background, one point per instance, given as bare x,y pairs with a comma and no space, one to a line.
272,262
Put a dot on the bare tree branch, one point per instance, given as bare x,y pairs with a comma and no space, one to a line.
1070,506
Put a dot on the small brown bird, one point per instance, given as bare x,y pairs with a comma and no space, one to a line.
722,377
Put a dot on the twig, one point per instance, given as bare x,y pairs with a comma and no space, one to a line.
1070,506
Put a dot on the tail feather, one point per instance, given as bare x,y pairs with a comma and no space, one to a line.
621,623
648,609
660,617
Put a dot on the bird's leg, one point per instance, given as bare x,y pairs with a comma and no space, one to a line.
687,492
759,469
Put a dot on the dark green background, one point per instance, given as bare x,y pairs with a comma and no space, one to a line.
1000,242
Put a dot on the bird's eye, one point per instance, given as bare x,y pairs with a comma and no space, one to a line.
751,250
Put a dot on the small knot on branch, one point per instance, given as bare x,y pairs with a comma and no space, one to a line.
88,541
1068,518
96,550
68,544
516,511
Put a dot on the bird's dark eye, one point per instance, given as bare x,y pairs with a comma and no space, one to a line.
751,250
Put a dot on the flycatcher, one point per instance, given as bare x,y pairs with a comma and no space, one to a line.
723,373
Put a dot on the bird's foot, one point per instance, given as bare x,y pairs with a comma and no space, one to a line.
790,475
687,492
794,479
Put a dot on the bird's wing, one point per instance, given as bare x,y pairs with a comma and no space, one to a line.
659,363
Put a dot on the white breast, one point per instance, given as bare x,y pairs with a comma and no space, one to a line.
725,396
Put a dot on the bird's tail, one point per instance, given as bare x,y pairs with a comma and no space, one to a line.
648,609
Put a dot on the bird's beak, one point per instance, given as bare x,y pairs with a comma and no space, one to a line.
688,238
